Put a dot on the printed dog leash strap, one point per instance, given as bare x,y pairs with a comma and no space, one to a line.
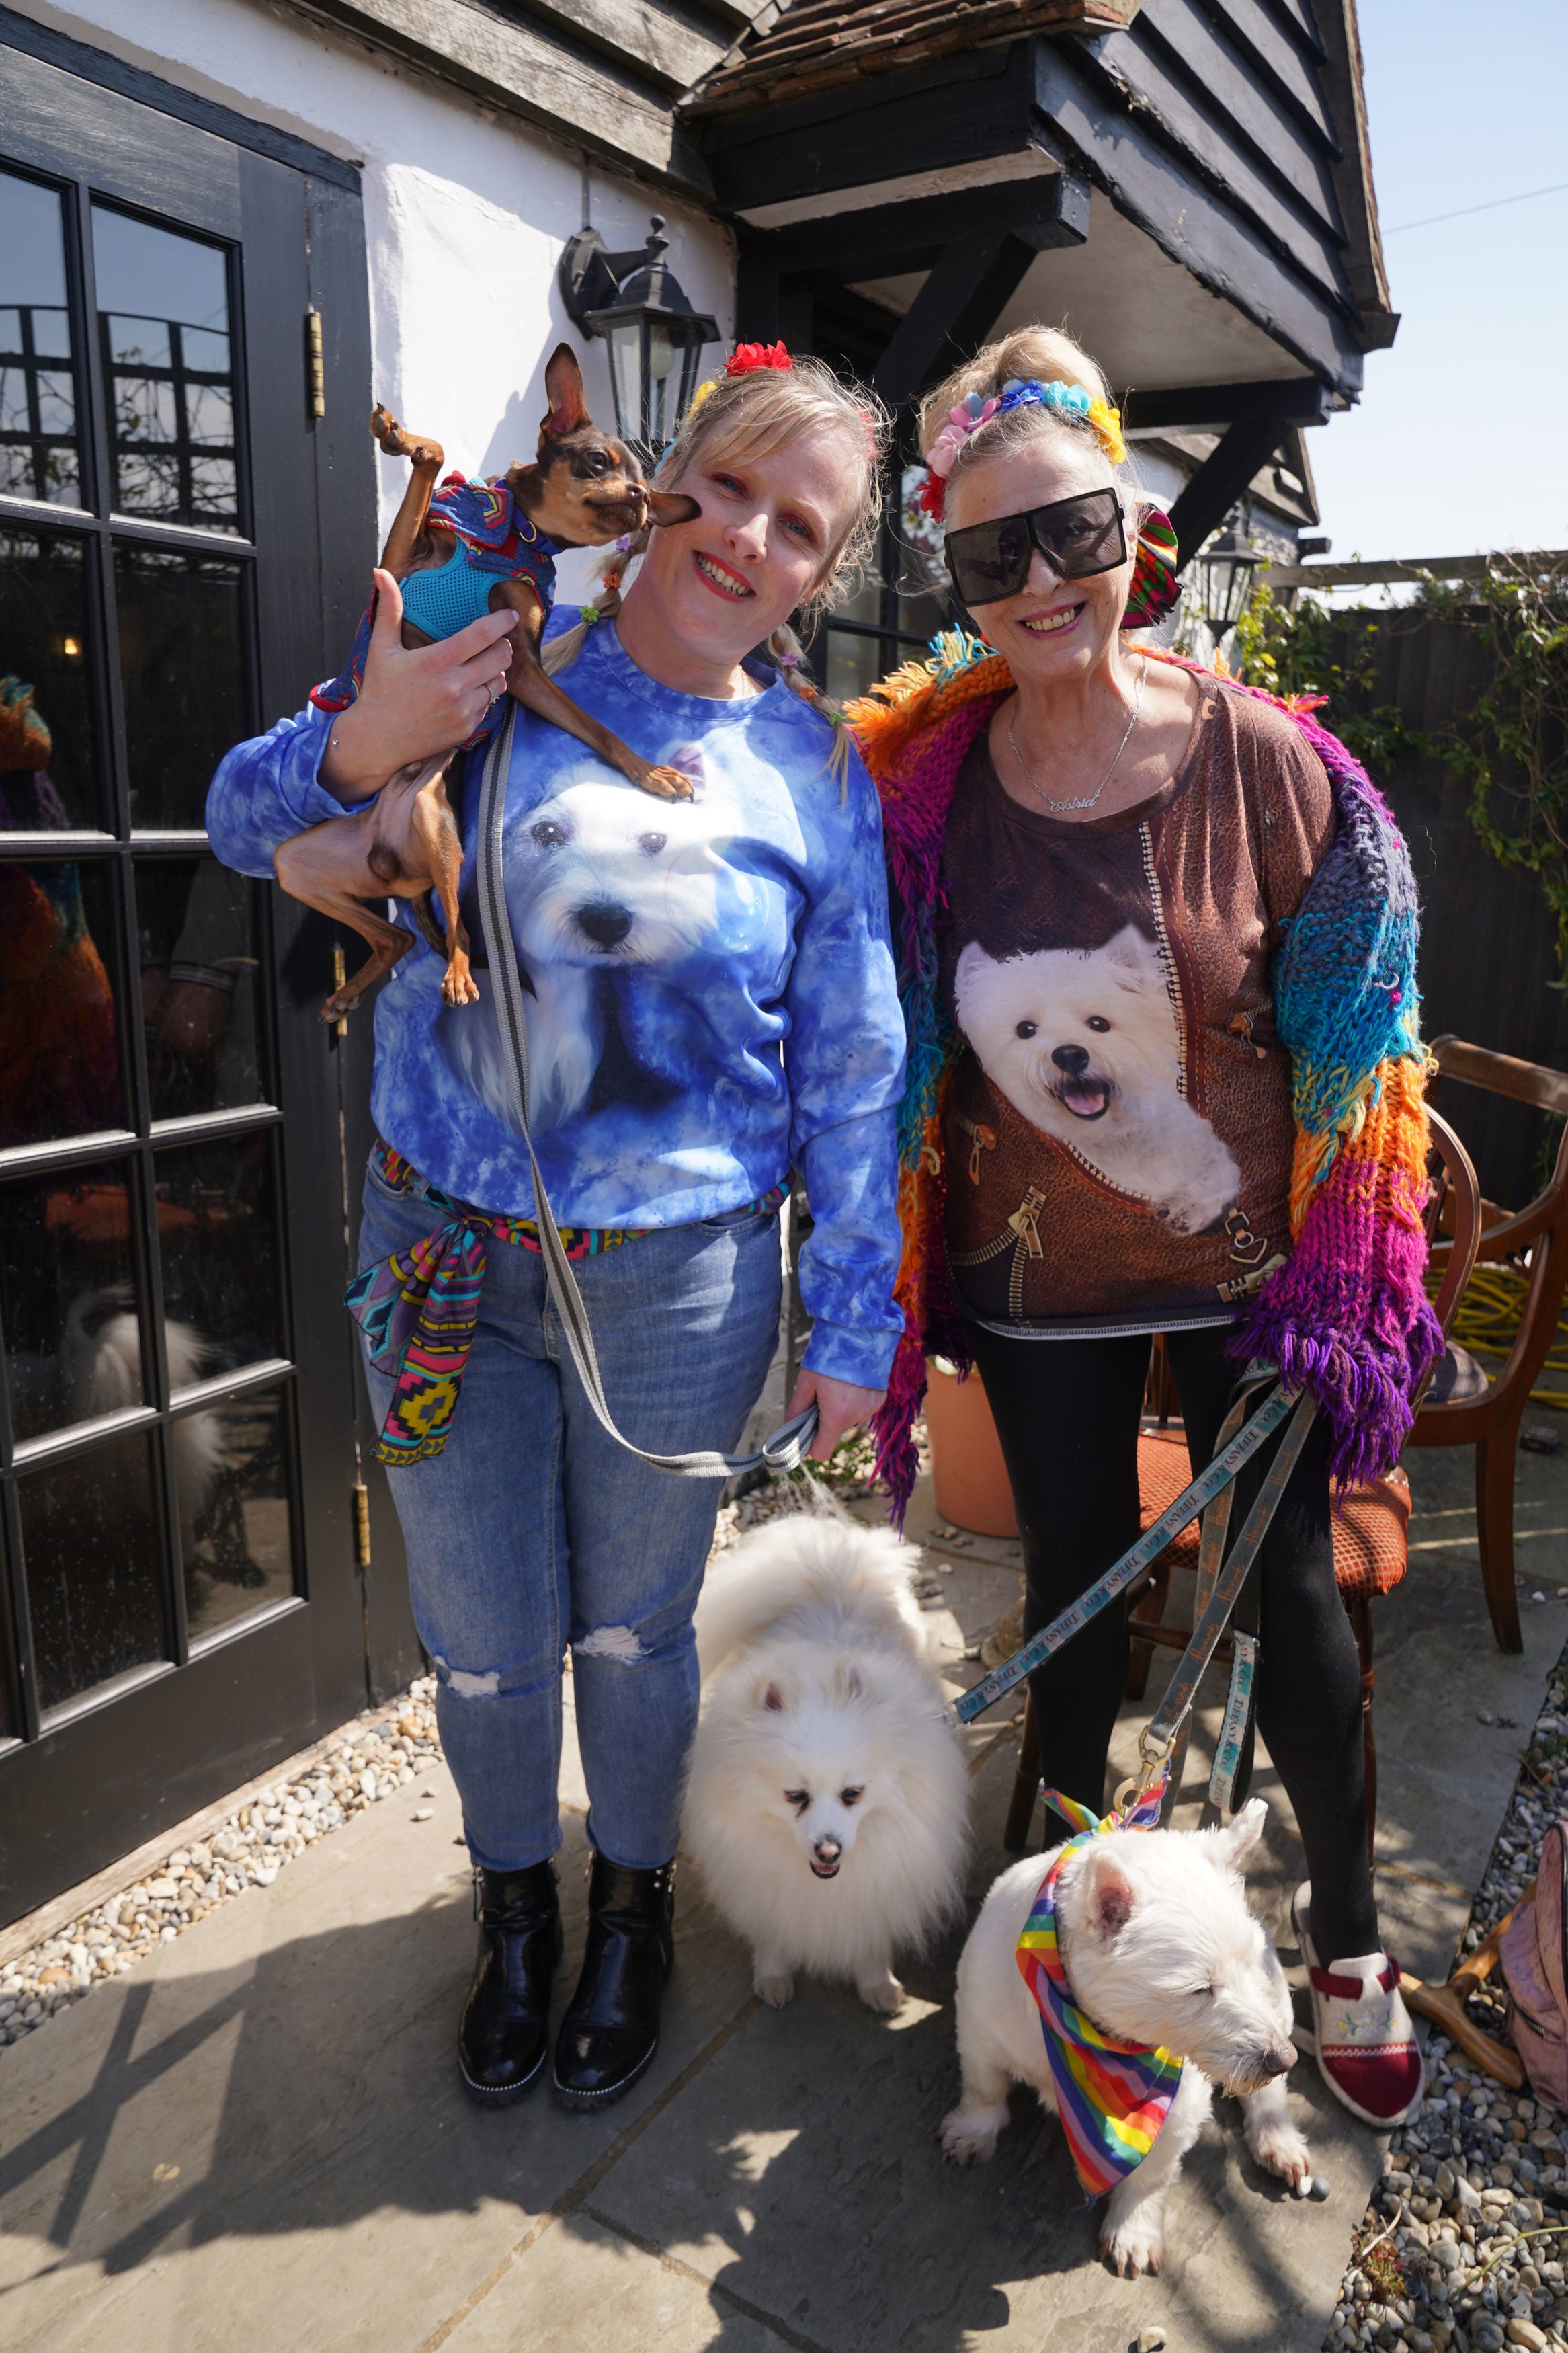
1228,1460
1159,1735
786,1448
1112,2096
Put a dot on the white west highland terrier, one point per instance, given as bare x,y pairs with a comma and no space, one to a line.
827,1804
1084,1044
1161,1952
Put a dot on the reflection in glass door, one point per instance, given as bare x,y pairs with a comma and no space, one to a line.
147,1399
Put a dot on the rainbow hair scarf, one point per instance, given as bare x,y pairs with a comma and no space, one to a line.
1347,1314
1112,2096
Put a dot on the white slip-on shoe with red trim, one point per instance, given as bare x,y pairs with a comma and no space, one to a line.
1367,2051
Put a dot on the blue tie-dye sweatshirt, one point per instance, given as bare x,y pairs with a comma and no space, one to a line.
712,988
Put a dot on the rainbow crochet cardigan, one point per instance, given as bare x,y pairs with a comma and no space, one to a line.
1348,1312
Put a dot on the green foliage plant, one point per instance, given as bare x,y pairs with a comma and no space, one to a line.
1510,748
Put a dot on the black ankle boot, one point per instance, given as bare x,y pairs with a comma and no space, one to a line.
610,2030
504,2035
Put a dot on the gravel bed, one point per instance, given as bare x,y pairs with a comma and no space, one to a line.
1465,2241
380,1753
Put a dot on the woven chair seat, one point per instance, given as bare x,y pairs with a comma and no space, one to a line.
1372,1528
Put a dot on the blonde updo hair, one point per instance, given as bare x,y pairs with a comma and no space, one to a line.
752,416
1043,354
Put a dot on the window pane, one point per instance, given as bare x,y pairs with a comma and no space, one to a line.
37,395
218,1236
184,677
231,1469
163,315
92,1556
195,926
68,1297
47,764
854,664
59,1044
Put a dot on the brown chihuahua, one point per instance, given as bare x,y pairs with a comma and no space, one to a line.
457,553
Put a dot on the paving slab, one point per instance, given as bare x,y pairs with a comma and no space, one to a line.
257,2141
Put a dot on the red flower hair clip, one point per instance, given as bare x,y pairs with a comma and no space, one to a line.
747,356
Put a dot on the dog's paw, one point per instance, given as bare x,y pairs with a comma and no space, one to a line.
968,2135
1136,2244
776,1990
883,1993
668,784
1279,2148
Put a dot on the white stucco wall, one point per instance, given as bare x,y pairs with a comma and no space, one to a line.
466,212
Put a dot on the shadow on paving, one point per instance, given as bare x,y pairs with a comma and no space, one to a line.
257,2149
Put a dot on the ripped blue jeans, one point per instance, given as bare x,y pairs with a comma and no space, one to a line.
533,1530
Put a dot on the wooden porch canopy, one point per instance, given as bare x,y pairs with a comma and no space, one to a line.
1185,185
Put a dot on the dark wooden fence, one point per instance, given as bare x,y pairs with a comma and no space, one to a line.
1488,959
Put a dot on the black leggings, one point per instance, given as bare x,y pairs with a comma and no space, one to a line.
1068,1413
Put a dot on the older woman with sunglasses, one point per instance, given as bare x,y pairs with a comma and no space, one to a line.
1097,854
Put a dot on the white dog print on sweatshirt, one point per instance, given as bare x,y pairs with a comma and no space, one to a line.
1084,1045
600,880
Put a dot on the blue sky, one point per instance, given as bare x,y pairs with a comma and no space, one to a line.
1458,444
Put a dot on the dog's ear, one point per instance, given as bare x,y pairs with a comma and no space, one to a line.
671,506
564,385
1106,1895
1235,1842
771,1698
1130,949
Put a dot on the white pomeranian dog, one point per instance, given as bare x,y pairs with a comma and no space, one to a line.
828,1802
1159,1948
1084,1044
100,1372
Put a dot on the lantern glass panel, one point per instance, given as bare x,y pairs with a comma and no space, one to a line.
664,381
625,340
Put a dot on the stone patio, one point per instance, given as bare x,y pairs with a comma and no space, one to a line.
257,2140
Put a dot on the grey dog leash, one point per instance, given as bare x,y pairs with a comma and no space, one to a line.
786,1448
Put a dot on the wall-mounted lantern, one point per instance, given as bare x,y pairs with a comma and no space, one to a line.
635,300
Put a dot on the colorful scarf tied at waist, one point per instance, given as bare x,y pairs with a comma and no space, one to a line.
419,1308
1112,2096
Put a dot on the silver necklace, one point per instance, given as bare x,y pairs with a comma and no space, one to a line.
1088,800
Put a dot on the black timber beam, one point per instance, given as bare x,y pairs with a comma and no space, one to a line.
967,109
1188,220
1221,480
973,278
1305,400
834,248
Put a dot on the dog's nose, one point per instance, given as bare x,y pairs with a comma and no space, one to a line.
828,1849
1280,2059
1070,1059
605,924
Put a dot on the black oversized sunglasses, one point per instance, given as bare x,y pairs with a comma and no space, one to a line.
1078,537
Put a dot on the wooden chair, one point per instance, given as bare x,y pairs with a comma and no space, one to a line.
1490,1422
1371,1529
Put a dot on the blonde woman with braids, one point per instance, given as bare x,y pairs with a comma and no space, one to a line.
710,998
1119,963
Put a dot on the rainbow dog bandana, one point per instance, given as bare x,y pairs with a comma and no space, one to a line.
1112,2096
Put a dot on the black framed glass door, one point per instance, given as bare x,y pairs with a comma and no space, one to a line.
180,1601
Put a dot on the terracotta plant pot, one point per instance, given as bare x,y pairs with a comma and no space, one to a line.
966,1467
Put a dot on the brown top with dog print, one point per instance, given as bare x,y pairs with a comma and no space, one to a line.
1118,1130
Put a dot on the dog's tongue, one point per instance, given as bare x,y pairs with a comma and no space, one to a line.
1086,1101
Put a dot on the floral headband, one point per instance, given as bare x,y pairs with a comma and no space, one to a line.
1070,401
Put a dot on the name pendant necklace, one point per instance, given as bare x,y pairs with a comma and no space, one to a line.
1086,801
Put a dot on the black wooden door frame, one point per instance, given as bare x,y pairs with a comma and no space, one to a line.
109,1770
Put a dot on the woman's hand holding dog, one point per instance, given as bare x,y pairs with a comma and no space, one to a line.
414,700
840,1407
